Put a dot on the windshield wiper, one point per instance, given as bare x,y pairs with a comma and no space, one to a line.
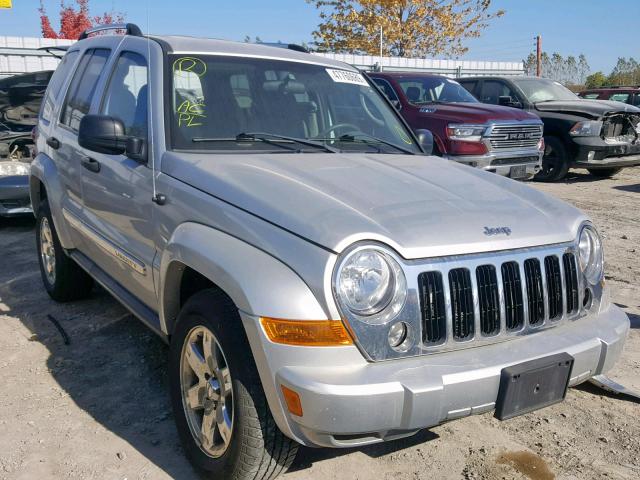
302,141
371,140
244,138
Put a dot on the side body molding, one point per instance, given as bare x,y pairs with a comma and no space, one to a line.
258,283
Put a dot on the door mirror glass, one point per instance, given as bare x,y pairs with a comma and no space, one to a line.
425,138
102,134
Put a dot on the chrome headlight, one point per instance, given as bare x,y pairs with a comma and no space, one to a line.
466,133
8,169
590,254
370,285
588,128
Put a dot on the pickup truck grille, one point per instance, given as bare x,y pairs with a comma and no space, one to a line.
512,137
483,299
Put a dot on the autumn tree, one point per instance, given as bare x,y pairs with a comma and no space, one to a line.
74,21
415,28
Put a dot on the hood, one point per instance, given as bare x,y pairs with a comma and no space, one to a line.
593,109
478,113
420,206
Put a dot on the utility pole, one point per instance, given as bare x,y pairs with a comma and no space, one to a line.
381,43
539,56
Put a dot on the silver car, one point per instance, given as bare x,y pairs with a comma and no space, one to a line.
320,280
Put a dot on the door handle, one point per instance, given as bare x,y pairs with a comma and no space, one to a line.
91,164
53,142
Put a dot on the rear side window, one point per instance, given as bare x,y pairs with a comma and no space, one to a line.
620,97
589,96
55,84
83,86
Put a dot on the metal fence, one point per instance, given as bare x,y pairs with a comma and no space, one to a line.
21,55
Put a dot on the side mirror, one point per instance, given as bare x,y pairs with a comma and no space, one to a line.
425,138
508,101
102,134
396,104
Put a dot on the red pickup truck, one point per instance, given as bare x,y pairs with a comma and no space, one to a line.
504,140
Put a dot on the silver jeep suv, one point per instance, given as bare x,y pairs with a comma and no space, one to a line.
319,279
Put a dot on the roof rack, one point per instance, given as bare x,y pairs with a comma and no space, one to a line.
129,28
290,46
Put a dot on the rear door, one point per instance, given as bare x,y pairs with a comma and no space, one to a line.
117,197
63,140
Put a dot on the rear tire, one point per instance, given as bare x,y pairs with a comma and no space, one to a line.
63,278
555,163
244,441
603,172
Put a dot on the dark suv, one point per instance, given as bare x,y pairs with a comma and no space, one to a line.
630,95
601,136
498,139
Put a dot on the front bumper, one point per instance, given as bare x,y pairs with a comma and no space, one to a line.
502,161
593,152
348,402
14,196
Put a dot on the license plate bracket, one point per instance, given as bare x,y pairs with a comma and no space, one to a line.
533,385
518,171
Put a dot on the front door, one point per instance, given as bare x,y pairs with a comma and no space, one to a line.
117,190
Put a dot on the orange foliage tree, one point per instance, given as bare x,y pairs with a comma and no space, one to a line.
74,20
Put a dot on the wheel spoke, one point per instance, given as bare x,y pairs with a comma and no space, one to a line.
223,423
225,381
196,361
210,351
208,425
195,396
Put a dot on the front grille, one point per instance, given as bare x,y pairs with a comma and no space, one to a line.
505,137
462,316
434,315
468,299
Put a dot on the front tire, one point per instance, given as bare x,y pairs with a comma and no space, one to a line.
603,172
555,162
219,405
63,278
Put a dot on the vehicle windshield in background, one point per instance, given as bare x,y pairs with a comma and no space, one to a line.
435,90
240,104
540,90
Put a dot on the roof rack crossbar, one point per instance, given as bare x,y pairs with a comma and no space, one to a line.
129,28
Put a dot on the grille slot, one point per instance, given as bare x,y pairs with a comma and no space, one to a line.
488,299
434,317
535,293
513,305
571,281
461,303
504,137
554,286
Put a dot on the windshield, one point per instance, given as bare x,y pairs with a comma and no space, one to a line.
434,89
222,103
541,90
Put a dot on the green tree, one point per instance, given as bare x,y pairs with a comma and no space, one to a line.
596,80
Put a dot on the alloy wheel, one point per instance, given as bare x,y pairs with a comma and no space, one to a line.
207,393
47,251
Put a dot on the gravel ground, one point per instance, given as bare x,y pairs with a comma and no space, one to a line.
98,408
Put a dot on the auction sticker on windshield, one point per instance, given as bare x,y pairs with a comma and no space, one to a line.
344,76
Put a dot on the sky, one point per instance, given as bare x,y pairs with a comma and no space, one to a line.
603,31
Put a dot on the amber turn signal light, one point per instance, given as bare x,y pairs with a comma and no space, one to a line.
293,400
310,333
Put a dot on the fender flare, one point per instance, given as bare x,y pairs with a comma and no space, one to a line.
258,283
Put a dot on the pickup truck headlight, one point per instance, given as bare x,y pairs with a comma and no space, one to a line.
591,254
466,133
588,128
8,169
370,284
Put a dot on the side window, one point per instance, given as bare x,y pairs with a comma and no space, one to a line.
57,79
127,94
492,90
386,88
589,96
83,86
470,86
620,97
636,100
